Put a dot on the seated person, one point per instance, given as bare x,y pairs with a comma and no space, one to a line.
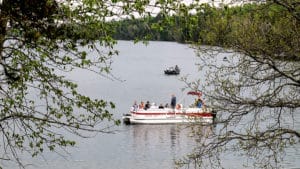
199,103
178,106
134,106
142,105
160,106
147,106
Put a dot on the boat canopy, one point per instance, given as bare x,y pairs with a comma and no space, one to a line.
197,93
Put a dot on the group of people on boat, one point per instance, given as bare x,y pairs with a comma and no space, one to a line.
146,106
198,103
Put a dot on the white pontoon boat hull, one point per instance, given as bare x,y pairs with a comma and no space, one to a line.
169,116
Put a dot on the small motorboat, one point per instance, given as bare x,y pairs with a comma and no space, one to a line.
172,70
166,115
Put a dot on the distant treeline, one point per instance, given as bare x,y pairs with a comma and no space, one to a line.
211,26
207,26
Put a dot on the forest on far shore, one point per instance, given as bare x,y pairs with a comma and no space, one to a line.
209,26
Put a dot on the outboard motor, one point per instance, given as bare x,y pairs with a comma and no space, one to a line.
126,119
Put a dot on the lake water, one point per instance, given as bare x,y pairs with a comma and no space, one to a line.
140,69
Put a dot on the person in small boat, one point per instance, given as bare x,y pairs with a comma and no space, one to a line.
147,106
173,101
142,105
176,68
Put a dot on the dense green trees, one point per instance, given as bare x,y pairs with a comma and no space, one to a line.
150,28
256,89
40,42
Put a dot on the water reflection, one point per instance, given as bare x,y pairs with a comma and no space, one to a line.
141,146
173,136
165,143
147,134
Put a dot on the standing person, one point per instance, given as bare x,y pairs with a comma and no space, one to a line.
173,101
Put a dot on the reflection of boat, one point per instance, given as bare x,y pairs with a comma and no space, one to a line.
176,140
180,114
172,70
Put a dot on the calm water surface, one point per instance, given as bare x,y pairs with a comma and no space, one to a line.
140,69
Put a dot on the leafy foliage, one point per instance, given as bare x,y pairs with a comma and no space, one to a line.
254,86
41,41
